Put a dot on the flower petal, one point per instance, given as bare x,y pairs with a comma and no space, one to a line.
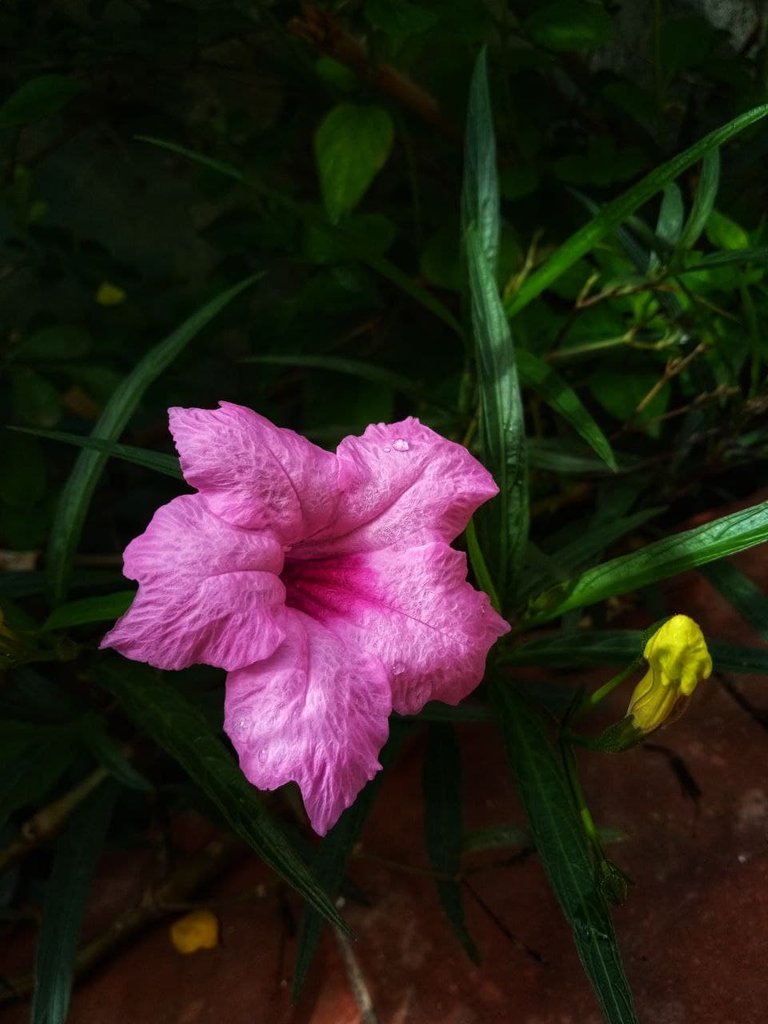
314,713
253,473
208,592
411,607
399,482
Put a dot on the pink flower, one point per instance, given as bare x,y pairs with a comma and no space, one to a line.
323,583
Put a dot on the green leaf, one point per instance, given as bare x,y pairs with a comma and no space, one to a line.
79,488
562,845
40,97
496,837
703,199
168,465
443,825
330,862
739,590
480,191
112,754
399,17
338,364
33,757
587,648
479,565
104,608
158,708
671,215
351,146
658,561
758,255
382,266
77,851
502,431
725,233
617,211
569,25
53,344
547,383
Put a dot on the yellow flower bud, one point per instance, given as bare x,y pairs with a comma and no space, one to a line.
109,294
678,660
198,930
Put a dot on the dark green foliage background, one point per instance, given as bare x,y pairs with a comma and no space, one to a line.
155,154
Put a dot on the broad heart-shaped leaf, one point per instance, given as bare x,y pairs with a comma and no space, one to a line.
562,845
176,725
351,146
77,851
617,211
77,493
657,561
443,825
504,523
569,25
37,98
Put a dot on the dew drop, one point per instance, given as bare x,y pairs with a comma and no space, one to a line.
400,445
387,448
398,668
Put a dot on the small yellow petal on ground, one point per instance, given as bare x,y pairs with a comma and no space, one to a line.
195,931
109,294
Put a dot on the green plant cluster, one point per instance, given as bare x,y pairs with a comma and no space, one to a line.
337,215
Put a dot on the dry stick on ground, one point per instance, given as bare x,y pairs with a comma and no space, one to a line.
49,820
323,31
156,903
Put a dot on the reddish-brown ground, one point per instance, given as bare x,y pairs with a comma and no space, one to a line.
694,930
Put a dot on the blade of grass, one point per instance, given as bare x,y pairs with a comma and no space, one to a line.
337,364
615,212
502,430
159,462
333,855
617,647
547,383
76,854
182,730
443,826
657,561
382,266
78,491
564,851
703,199
739,590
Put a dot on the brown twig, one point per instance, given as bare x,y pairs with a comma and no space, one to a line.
323,31
49,820
155,904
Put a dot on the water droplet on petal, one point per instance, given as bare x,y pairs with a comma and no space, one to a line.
400,445
387,448
398,668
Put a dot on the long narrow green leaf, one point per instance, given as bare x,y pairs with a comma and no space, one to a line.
159,462
587,648
547,383
564,851
79,488
183,731
739,590
76,854
382,266
658,561
333,854
337,364
614,213
502,429
104,608
703,199
443,825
